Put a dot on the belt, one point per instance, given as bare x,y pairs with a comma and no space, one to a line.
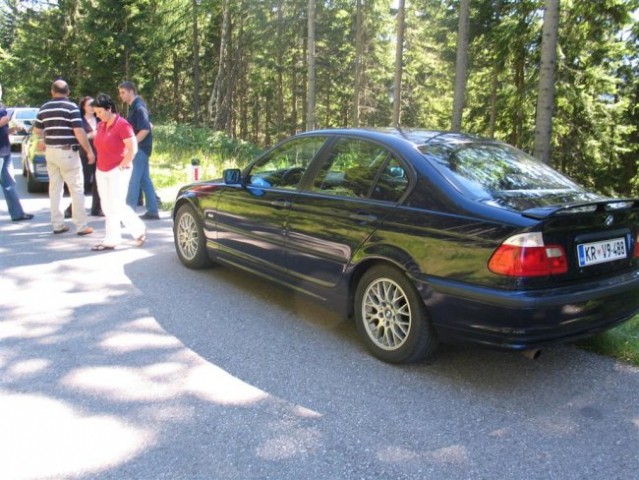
63,147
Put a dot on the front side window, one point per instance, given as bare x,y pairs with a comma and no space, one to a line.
285,165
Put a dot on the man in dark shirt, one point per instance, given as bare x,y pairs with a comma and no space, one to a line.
141,176
61,123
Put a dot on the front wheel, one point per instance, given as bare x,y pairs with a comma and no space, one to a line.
190,242
392,318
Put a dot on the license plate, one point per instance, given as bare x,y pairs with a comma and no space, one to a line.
601,252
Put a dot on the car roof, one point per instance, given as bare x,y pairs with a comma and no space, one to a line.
25,109
414,136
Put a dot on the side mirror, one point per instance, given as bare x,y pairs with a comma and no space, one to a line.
232,176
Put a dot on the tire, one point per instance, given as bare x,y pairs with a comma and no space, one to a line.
391,317
33,186
190,242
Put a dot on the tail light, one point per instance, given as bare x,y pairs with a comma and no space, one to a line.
526,255
635,253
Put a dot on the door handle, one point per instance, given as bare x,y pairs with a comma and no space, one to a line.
363,217
280,203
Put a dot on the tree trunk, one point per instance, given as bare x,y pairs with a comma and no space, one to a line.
359,56
494,87
546,96
294,92
461,65
216,101
280,72
399,54
310,109
196,66
176,87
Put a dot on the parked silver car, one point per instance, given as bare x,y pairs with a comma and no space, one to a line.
20,123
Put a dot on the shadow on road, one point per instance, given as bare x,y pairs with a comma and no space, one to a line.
128,365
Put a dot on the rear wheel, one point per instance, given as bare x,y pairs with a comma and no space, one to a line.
33,186
392,318
190,242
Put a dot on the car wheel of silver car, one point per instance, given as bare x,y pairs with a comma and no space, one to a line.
190,242
392,318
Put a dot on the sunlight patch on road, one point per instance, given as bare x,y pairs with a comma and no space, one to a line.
22,329
63,288
26,368
120,383
45,438
451,455
209,382
297,442
182,373
162,381
129,342
305,412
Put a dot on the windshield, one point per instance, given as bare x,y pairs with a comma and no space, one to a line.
503,175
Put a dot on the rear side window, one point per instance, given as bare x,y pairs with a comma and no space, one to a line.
392,182
360,169
284,166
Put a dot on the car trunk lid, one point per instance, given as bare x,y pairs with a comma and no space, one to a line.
599,237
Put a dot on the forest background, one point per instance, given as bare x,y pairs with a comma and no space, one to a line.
239,69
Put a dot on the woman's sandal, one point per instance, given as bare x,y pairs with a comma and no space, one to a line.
140,240
102,247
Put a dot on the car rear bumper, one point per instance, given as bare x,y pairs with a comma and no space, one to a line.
16,139
524,320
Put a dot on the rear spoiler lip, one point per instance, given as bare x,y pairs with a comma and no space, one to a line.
542,213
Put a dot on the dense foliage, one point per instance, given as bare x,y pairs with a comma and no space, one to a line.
249,77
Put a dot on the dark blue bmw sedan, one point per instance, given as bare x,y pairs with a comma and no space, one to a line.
423,237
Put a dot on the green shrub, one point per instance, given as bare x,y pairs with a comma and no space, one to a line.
176,145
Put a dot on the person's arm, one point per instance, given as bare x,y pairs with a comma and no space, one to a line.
131,148
4,120
37,133
141,135
81,136
141,116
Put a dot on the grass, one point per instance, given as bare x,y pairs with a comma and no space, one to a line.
621,342
175,146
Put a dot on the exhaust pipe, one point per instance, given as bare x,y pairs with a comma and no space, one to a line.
532,354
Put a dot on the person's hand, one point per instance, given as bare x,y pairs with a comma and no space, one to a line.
90,157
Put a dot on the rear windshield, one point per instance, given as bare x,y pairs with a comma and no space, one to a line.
26,114
503,175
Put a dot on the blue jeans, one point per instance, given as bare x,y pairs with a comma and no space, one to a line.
141,179
9,189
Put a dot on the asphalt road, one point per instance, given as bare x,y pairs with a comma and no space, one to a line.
125,365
